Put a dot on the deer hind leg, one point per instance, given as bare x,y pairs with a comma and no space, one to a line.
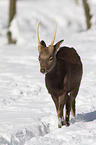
73,96
73,108
61,103
68,109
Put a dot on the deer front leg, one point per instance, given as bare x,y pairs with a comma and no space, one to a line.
61,102
55,99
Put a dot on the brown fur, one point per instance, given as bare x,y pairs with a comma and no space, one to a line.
62,78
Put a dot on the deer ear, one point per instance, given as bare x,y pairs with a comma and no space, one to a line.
57,45
43,43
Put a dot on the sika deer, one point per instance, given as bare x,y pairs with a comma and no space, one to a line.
63,72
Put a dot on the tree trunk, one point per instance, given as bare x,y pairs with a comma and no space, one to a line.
12,12
76,1
87,13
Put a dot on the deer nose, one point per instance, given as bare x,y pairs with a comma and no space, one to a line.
42,70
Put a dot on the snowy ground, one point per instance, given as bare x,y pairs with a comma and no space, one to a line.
27,112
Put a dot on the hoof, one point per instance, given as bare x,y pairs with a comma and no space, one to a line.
68,124
65,123
59,122
59,126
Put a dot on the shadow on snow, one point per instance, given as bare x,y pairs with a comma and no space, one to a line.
87,117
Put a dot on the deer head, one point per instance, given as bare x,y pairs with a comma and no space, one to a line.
47,55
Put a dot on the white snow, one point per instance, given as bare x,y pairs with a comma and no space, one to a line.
27,112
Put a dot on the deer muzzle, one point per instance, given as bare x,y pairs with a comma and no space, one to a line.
43,70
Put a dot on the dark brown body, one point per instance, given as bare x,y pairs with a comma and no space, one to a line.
63,81
63,72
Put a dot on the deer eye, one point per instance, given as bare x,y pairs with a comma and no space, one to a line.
51,58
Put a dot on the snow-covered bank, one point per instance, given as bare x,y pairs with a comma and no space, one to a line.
27,112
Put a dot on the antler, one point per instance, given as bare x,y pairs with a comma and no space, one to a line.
39,44
54,34
38,33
